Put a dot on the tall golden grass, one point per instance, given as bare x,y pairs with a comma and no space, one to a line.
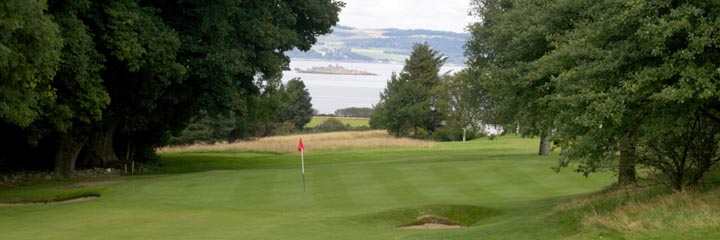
312,142
679,211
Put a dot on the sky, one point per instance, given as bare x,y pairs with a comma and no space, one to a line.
445,15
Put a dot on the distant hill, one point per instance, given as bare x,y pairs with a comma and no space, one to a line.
383,45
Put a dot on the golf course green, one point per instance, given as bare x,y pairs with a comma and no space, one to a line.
498,189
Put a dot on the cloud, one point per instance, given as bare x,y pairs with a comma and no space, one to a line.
447,15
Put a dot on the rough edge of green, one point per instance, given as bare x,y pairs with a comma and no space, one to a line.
462,215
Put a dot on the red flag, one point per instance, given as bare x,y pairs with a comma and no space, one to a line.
301,147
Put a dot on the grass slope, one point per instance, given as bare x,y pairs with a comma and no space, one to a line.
354,194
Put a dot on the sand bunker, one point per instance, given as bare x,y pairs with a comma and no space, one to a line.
80,199
432,226
432,222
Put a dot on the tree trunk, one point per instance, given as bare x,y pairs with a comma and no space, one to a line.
626,166
68,147
545,144
99,150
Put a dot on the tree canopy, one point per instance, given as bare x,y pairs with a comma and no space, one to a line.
621,82
409,105
297,107
109,77
354,112
30,46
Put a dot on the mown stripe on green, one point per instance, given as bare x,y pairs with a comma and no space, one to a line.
460,183
397,186
328,188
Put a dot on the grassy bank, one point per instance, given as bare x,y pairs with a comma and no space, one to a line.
375,139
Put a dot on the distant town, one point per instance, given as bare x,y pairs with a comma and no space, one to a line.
382,45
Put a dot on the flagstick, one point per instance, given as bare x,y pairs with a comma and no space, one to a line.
302,160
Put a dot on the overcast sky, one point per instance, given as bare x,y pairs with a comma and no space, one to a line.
447,15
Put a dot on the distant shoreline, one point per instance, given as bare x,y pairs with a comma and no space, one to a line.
359,61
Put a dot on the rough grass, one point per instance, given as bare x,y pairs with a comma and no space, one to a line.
643,212
462,215
680,211
45,193
376,139
353,122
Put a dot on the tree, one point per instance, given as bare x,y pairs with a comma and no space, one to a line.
29,56
223,46
646,71
159,62
354,112
332,125
81,94
409,105
626,82
467,103
297,106
512,35
259,117
73,98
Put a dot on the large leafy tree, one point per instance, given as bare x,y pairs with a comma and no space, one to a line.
466,104
159,62
511,35
410,105
81,94
630,83
75,97
641,77
29,57
141,51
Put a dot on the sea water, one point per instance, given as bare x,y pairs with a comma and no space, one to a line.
332,92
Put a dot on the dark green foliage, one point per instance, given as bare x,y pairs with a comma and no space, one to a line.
206,129
466,105
270,113
81,95
296,107
30,45
513,35
680,149
354,112
637,78
332,125
410,105
118,76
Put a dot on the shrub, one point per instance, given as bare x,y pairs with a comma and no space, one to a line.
332,125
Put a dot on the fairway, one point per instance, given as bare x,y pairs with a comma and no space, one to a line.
355,194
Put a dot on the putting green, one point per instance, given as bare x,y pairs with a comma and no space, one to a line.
358,194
